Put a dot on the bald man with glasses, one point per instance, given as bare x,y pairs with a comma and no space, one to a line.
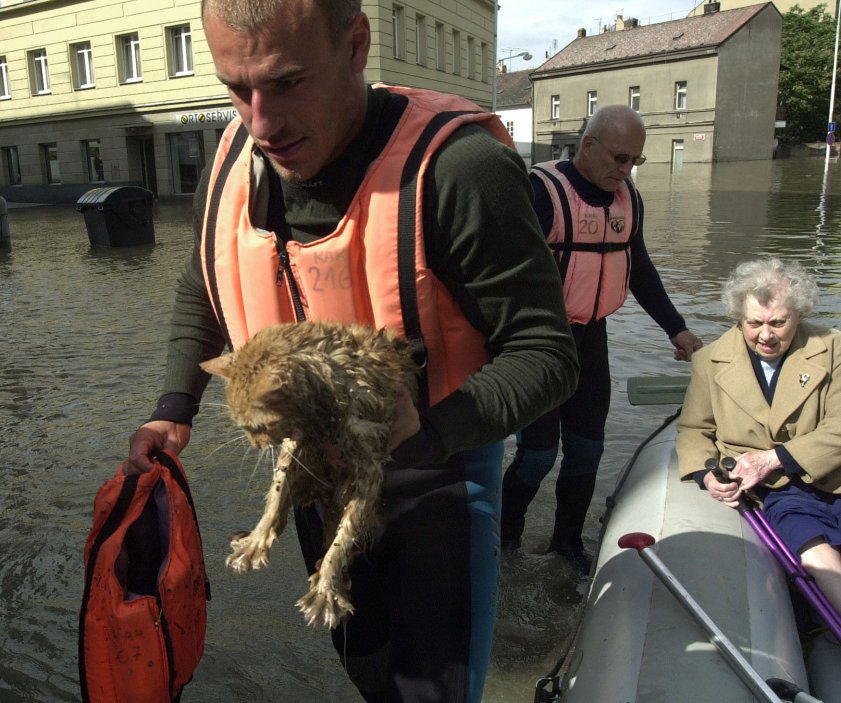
592,217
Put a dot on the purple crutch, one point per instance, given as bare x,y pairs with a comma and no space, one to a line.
790,563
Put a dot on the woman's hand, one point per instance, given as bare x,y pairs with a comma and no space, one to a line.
754,467
728,493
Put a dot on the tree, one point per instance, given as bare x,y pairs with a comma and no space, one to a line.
808,45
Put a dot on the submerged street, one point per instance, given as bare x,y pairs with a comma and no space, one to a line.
84,334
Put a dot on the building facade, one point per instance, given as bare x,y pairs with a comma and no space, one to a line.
105,93
705,86
782,5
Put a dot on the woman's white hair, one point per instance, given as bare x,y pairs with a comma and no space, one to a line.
770,279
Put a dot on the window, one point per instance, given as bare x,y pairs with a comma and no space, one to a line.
39,74
187,154
397,31
634,98
180,49
471,58
4,79
128,56
680,95
11,165
556,107
592,102
456,53
483,68
677,153
93,158
81,65
420,39
440,46
49,162
509,125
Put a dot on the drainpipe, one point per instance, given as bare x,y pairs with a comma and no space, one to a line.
496,40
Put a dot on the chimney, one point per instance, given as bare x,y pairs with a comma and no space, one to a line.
620,23
632,23
582,33
711,7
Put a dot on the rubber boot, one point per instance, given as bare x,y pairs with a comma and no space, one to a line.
519,487
574,490
516,496
573,495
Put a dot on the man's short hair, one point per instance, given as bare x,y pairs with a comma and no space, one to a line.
250,15
599,125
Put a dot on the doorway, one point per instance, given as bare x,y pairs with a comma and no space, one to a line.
141,161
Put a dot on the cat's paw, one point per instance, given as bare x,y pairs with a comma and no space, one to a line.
250,552
326,603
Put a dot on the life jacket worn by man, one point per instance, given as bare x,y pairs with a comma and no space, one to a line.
592,250
256,279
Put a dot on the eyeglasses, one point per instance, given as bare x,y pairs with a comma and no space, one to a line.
621,159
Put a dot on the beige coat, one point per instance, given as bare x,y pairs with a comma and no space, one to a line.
725,412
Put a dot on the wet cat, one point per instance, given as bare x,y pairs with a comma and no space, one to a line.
324,395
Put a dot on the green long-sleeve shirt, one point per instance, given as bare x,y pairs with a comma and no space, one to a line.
483,242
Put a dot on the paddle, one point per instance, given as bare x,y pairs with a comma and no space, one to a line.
642,542
754,516
657,390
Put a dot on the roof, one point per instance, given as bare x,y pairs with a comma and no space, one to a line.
687,34
513,89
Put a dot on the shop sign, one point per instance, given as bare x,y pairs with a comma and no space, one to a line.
189,119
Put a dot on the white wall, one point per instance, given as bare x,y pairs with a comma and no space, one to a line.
521,118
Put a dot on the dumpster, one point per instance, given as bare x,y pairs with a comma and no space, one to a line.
118,217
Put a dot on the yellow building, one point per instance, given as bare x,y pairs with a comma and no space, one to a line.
105,92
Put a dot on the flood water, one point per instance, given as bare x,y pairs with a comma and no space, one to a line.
81,357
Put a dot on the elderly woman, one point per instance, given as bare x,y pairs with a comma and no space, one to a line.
768,394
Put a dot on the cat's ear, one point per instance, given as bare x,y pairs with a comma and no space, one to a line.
220,366
266,385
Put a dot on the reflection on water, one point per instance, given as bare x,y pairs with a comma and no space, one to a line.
82,354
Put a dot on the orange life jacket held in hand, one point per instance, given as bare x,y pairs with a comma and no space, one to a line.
143,615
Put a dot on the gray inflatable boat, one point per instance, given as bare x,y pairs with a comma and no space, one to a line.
636,643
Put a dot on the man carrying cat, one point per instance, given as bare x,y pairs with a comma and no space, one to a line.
335,170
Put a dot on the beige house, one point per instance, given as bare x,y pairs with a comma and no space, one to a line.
108,92
706,86
782,5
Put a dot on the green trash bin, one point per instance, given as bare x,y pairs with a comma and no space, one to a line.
120,216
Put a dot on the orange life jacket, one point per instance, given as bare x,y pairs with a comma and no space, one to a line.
591,245
372,269
143,616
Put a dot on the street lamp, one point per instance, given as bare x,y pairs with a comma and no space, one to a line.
525,54
511,55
